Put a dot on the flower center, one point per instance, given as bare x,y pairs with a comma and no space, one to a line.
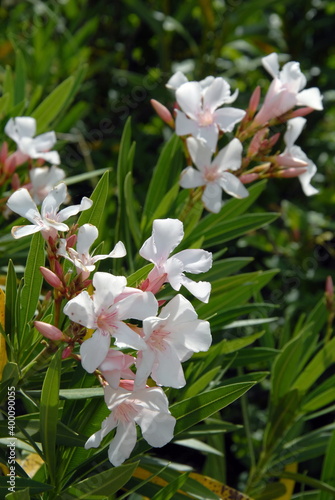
157,340
211,174
205,118
106,321
126,411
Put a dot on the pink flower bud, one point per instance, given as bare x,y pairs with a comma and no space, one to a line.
58,269
329,287
71,241
15,182
300,112
67,352
287,160
163,112
254,101
291,172
246,178
51,277
256,142
49,331
4,152
272,141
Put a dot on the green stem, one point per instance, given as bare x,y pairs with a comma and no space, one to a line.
40,360
245,415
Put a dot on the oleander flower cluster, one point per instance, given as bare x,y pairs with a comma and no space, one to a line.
202,116
125,335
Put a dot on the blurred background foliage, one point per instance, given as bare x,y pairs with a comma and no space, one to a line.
127,51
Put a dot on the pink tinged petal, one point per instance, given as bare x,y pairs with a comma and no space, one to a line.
201,289
311,98
230,157
226,118
294,129
188,97
21,231
166,235
67,212
94,350
126,337
21,126
271,64
216,94
212,197
123,443
291,76
54,199
195,261
176,80
137,306
144,364
107,288
80,309
167,370
87,234
22,203
191,178
208,135
157,427
233,186
201,155
184,125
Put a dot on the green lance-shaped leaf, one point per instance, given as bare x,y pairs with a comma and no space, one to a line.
11,294
49,414
20,78
130,209
19,495
104,484
48,110
32,287
328,469
95,215
170,489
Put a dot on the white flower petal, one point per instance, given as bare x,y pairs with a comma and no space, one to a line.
167,370
54,199
126,337
212,197
21,126
137,306
178,310
166,235
195,336
209,136
184,125
80,309
271,64
201,154
21,231
67,212
87,234
227,117
45,142
195,260
144,364
310,97
191,178
122,444
118,251
157,427
232,185
176,80
294,129
216,94
188,97
201,289
230,157
107,288
94,350
22,203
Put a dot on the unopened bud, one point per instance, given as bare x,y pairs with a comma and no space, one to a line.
286,160
272,141
3,152
329,288
254,101
67,352
15,182
256,142
300,112
163,112
291,172
71,241
50,277
49,331
246,178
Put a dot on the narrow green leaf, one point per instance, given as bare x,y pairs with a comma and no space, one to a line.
271,491
20,78
32,285
106,483
52,105
321,361
49,414
136,278
95,214
169,490
328,469
8,86
161,181
4,103
22,483
19,495
201,383
11,295
130,209
302,478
